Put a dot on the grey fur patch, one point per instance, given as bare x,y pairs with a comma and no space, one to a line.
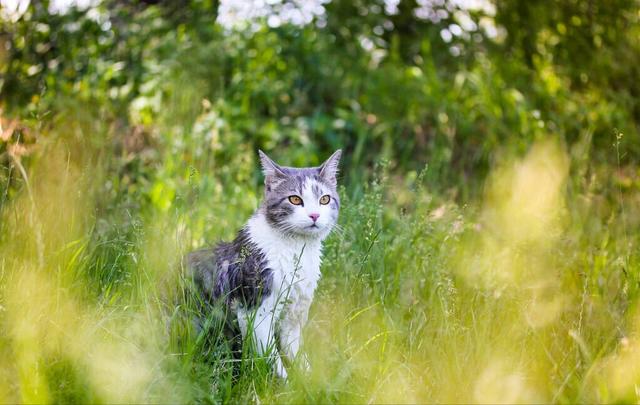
235,271
277,211
317,191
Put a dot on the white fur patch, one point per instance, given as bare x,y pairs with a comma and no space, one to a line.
295,263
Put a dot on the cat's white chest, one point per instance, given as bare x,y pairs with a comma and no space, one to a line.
296,270
295,264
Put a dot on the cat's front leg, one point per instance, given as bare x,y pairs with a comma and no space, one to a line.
260,325
290,329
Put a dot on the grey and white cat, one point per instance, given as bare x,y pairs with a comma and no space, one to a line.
268,274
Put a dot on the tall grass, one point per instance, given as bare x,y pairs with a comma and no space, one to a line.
526,294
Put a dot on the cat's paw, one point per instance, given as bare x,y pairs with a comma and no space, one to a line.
280,370
305,366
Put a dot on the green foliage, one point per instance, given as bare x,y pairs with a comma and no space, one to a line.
488,242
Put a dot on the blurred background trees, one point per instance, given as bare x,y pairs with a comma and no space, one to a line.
443,82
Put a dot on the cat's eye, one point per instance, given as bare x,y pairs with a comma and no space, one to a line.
295,200
324,200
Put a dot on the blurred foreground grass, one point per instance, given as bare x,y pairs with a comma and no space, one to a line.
527,295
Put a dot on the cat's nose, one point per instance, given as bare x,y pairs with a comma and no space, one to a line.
314,216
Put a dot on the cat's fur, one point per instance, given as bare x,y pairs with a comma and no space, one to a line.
268,274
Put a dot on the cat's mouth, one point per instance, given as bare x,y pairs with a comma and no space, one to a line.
313,228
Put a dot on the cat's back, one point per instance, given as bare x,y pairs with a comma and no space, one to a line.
202,269
234,270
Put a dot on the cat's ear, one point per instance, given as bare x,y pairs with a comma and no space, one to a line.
329,169
273,173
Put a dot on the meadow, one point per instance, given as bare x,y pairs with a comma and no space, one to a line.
488,248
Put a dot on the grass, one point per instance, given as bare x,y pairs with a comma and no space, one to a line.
526,293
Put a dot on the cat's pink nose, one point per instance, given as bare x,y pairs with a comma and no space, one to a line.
314,216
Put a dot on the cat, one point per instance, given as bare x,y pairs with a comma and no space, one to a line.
266,277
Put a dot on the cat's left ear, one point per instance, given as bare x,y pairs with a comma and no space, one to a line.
329,169
273,173
269,167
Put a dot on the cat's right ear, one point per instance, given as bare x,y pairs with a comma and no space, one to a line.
273,173
329,169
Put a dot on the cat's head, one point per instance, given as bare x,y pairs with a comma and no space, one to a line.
301,201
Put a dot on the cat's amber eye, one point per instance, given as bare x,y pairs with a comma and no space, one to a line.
295,200
324,200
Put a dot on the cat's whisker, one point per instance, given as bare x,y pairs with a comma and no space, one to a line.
339,229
